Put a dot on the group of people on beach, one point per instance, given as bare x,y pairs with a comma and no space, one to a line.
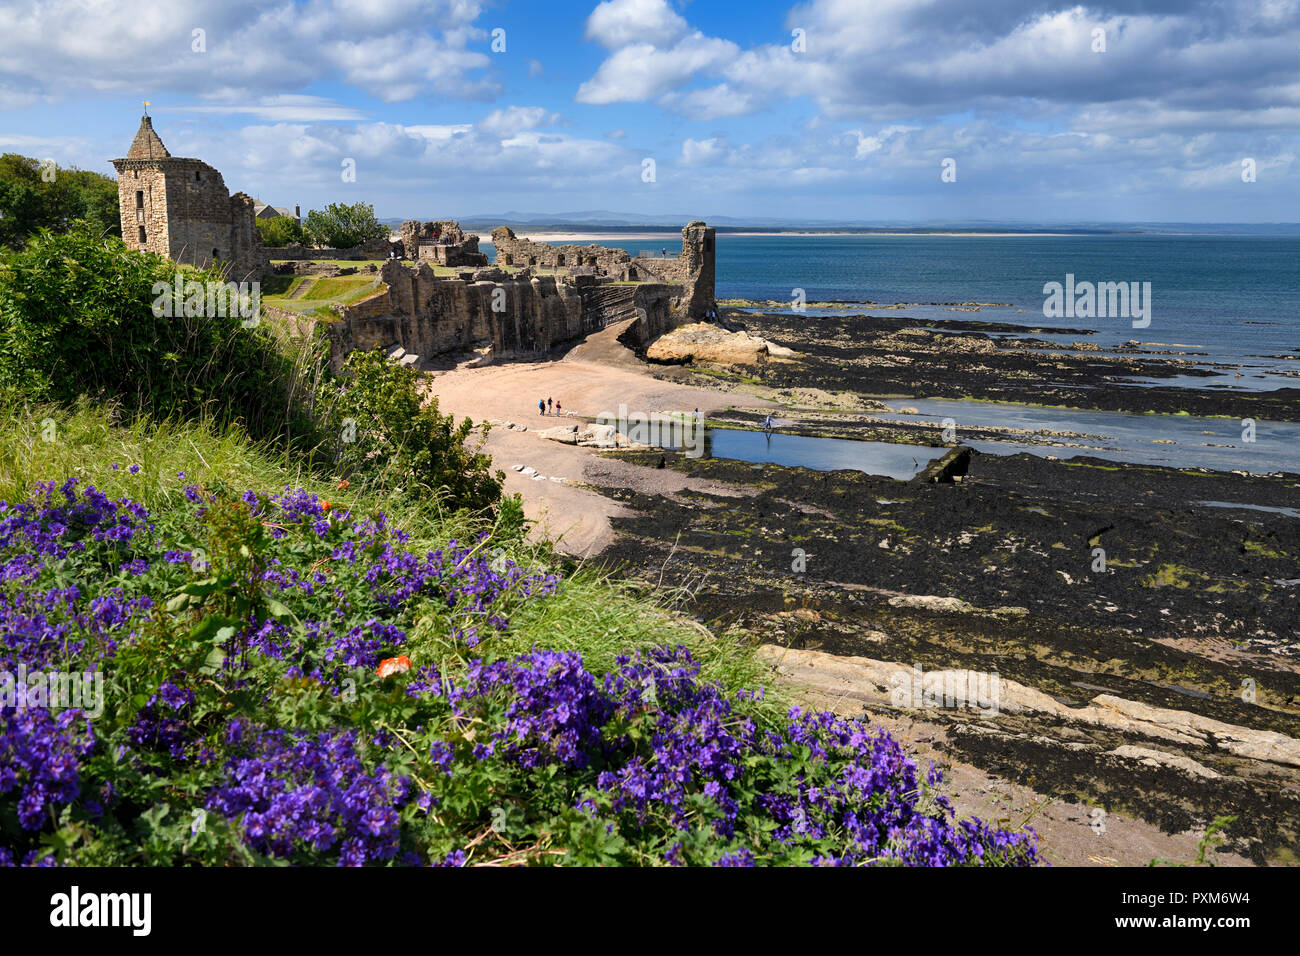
544,407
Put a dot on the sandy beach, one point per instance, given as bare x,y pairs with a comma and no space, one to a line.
576,518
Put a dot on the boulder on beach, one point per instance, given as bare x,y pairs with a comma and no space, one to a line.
561,433
705,342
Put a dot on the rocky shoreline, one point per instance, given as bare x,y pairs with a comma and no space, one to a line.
1189,620
1143,698
956,359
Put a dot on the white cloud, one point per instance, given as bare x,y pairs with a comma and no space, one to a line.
873,144
700,152
641,71
618,23
714,102
392,49
407,163
286,108
516,119
900,60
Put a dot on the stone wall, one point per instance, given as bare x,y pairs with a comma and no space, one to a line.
516,316
442,242
513,251
693,269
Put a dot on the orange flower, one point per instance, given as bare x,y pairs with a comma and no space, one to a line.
324,506
394,665
343,484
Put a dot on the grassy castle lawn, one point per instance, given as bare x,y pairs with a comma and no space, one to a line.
308,293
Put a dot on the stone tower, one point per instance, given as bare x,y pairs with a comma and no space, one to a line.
699,249
180,208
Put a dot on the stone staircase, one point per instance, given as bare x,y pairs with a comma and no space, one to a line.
606,305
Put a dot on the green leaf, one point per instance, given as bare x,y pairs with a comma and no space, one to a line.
280,612
212,663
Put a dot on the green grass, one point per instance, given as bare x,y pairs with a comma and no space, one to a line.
322,291
280,285
336,288
593,613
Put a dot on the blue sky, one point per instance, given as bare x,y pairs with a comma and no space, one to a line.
1141,110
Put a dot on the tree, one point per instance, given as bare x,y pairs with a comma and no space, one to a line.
83,194
21,207
36,196
341,226
279,231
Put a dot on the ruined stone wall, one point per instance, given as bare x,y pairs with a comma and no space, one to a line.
427,314
513,251
698,257
441,241
693,269
522,314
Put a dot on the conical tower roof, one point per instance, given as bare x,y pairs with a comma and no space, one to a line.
147,145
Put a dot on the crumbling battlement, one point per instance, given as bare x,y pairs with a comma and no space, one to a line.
693,269
442,242
513,251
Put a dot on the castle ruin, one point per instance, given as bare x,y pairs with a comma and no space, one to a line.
442,243
441,295
180,208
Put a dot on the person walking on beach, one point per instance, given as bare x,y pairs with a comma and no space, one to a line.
548,404
541,407
557,409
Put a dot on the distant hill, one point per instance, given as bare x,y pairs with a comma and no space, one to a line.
606,220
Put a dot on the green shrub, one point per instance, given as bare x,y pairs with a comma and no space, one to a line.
78,316
384,432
